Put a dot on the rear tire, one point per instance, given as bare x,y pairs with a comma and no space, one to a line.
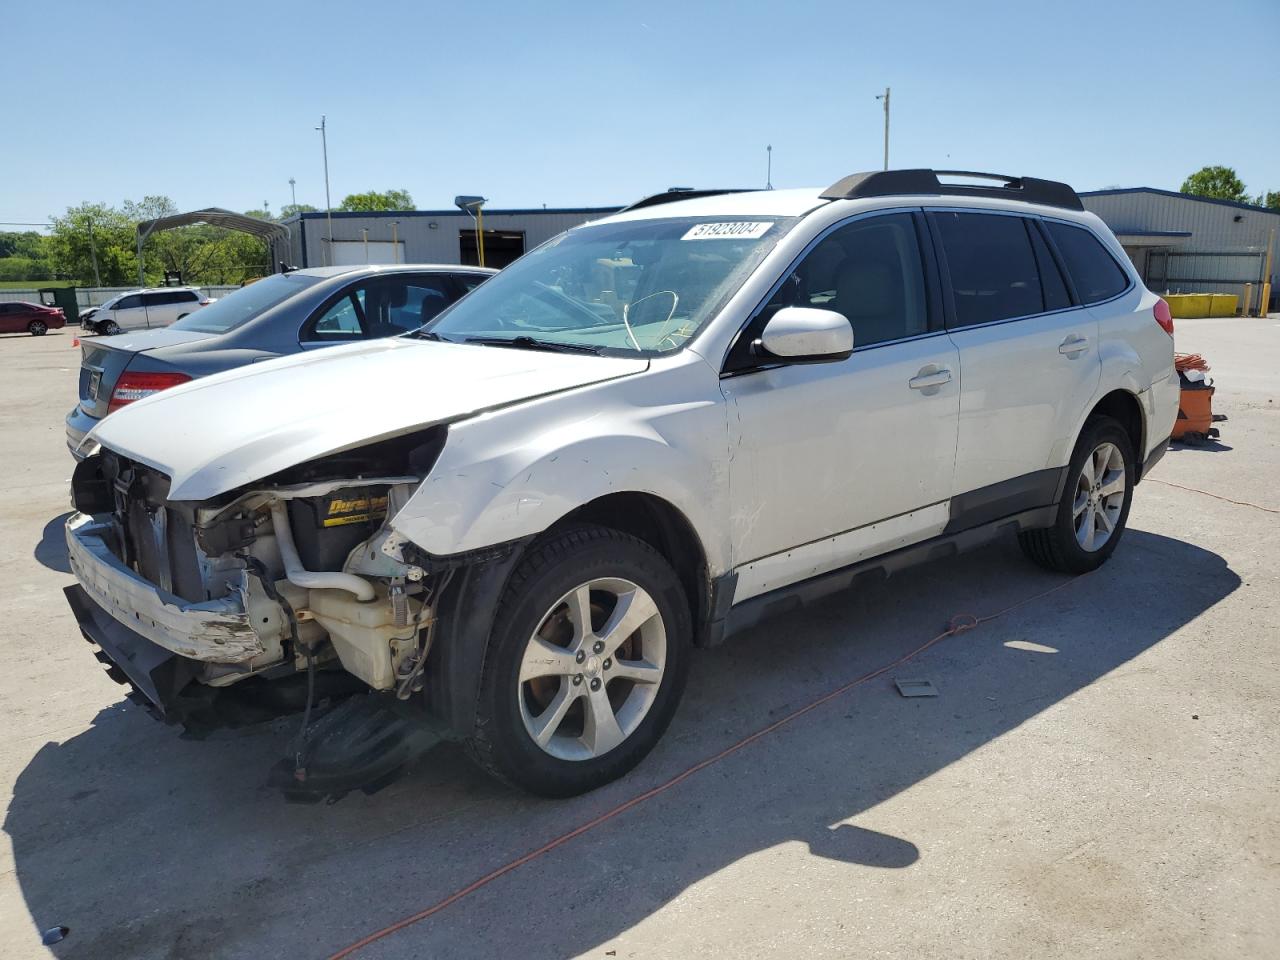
1094,506
565,709
38,328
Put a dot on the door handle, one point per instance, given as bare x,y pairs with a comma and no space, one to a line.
927,378
1073,345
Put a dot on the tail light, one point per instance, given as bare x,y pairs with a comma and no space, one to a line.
1163,316
135,386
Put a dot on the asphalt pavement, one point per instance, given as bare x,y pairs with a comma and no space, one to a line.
1096,777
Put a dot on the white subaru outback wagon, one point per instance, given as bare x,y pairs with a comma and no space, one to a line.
648,433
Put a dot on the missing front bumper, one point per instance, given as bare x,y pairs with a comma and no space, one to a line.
214,631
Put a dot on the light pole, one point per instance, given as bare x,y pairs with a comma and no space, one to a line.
93,255
768,177
293,190
475,207
885,98
328,206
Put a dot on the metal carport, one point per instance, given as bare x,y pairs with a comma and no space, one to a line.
274,233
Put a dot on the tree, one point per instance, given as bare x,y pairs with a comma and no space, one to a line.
1270,200
24,256
289,209
93,243
373,200
1221,183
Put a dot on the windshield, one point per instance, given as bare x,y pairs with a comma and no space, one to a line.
644,286
244,304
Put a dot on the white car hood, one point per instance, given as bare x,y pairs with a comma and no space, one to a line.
221,432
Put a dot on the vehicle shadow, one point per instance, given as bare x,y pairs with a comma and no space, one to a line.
149,846
51,551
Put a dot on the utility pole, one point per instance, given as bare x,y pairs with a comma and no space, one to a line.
885,98
93,255
328,205
293,190
768,177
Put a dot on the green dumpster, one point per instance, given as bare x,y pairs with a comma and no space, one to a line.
64,297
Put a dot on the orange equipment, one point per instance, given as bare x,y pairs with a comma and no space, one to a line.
1195,407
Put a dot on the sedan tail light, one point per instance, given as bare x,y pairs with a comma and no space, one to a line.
1164,316
135,386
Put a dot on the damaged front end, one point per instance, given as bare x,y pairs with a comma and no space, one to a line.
255,604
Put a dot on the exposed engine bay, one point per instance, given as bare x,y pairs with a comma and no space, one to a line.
297,575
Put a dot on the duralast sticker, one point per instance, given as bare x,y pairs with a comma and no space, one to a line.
732,230
357,509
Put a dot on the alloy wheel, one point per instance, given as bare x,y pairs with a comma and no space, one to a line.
1099,496
592,669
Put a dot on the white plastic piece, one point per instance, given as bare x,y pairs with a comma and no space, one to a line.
365,636
297,574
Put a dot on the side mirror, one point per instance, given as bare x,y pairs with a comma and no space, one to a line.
806,335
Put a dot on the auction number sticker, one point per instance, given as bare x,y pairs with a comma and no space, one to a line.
733,230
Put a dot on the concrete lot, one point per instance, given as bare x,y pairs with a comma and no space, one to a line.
1098,776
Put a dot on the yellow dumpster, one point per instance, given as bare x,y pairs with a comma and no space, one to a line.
1223,305
1185,305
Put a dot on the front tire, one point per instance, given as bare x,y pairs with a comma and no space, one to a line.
38,328
586,663
1094,507
109,329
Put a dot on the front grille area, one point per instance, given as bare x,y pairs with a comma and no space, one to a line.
153,535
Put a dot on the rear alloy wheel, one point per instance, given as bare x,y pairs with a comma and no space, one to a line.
586,663
1095,503
38,328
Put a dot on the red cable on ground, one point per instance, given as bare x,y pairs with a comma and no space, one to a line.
958,624
1216,496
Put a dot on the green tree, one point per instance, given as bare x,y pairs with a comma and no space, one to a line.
1270,200
289,209
93,243
24,256
374,200
1221,183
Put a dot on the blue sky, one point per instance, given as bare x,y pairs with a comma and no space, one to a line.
577,103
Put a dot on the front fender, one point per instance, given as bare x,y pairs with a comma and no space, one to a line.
515,472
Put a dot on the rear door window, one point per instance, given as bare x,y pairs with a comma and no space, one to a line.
1093,270
993,270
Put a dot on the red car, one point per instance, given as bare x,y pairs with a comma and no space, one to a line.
37,320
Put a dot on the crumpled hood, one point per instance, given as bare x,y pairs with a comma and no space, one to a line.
220,432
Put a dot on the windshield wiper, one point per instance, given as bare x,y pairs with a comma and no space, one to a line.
426,335
523,342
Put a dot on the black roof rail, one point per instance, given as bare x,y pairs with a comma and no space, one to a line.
680,193
889,183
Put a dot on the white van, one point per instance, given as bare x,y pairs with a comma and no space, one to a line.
144,309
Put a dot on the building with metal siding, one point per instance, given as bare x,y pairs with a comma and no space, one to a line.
1187,244
427,236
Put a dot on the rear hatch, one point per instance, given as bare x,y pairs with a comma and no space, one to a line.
103,359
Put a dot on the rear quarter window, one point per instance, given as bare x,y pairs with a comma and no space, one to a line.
1093,270
993,269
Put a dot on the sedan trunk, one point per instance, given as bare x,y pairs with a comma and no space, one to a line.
104,359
